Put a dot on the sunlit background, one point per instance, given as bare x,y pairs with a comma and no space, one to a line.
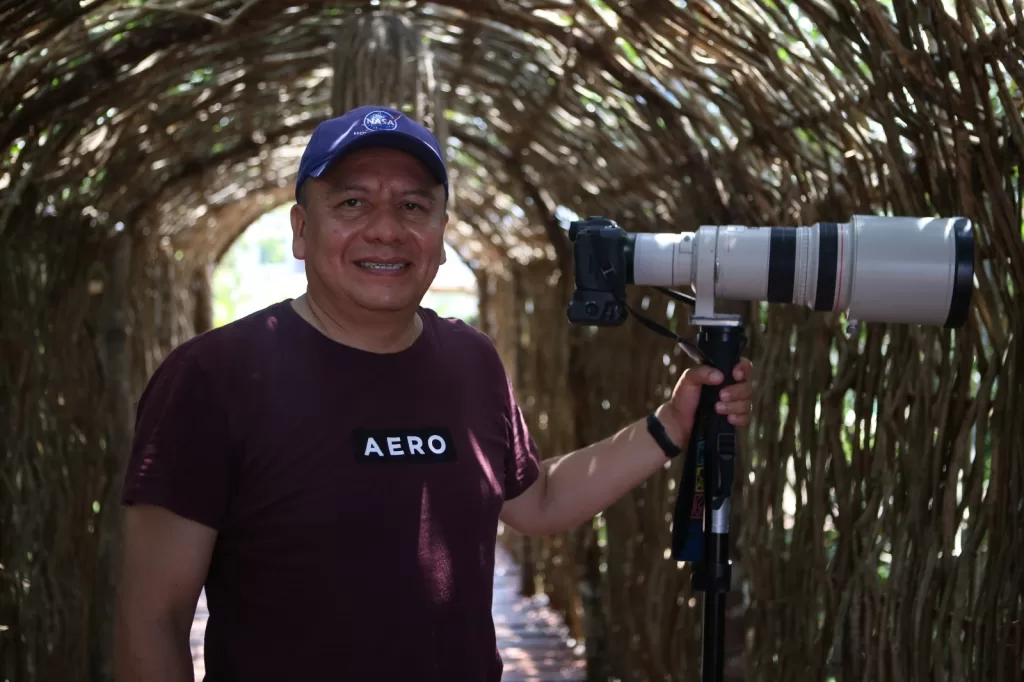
259,270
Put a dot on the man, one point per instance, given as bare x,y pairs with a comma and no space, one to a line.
333,468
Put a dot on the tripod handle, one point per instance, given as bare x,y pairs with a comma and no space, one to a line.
722,347
709,465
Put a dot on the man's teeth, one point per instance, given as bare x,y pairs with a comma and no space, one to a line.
382,266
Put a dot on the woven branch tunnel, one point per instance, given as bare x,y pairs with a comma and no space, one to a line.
879,513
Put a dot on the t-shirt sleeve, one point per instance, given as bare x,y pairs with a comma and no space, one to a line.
180,456
522,464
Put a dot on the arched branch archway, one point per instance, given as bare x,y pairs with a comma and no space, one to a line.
880,531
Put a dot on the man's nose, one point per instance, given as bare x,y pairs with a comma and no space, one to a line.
384,226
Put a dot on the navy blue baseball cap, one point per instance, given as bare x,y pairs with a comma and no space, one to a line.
370,126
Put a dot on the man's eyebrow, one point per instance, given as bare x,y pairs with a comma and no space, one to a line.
335,189
423,192
419,192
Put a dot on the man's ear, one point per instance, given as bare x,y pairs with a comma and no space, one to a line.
444,250
299,224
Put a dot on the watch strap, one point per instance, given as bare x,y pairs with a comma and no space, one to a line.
657,431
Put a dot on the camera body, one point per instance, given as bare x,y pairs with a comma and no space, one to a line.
603,267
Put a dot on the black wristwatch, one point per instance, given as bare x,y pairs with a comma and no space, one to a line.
657,431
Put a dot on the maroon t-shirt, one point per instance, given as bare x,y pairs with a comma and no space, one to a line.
356,496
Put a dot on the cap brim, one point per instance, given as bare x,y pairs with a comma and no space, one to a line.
391,139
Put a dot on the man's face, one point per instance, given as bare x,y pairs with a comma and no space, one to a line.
372,230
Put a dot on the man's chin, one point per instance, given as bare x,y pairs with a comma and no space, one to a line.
389,304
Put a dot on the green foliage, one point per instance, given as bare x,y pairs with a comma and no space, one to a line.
272,250
228,292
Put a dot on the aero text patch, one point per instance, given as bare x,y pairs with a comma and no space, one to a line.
403,445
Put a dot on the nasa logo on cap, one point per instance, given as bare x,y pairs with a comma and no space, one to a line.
380,120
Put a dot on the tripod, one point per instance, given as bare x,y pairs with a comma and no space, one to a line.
700,528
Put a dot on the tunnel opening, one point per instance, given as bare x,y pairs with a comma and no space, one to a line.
258,269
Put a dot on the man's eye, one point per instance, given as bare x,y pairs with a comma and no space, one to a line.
351,203
412,206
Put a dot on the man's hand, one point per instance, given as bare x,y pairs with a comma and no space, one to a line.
679,412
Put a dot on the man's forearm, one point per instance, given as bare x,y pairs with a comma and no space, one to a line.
153,651
586,482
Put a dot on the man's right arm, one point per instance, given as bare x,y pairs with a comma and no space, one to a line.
175,500
163,567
